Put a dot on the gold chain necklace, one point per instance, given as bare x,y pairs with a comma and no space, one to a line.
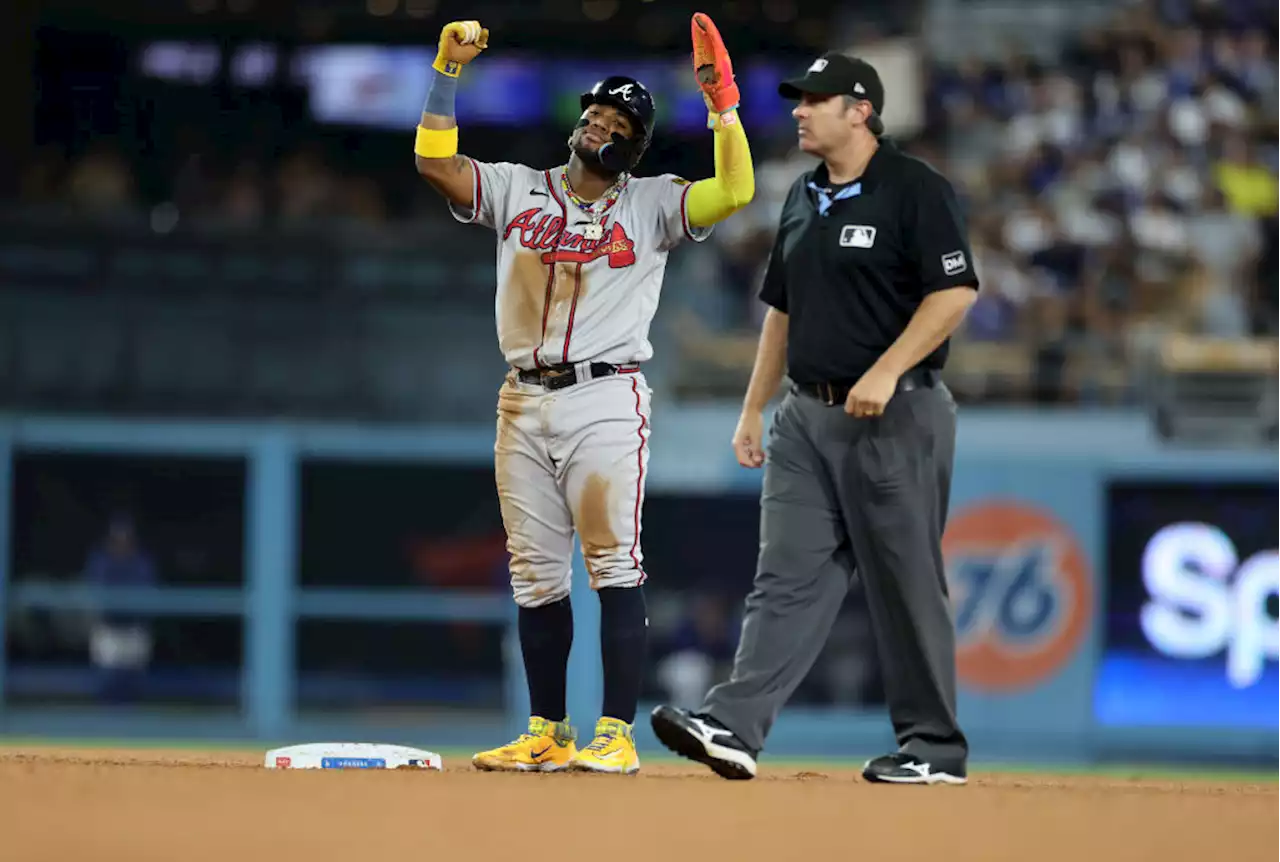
595,209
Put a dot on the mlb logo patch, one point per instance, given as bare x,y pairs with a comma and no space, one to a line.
857,236
953,262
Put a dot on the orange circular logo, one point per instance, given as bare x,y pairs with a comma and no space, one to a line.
1021,591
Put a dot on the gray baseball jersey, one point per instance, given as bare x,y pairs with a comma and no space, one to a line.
564,296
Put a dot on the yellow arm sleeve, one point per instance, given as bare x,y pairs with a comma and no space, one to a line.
716,198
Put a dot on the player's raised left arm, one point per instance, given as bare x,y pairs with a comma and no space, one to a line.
716,198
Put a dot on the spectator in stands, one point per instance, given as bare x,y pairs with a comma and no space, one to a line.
1248,186
120,643
1228,243
698,651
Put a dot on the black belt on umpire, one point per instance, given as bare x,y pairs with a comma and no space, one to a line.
836,391
561,376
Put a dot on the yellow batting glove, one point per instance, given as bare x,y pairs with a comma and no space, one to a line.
460,42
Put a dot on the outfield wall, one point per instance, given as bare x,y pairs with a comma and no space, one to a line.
1115,597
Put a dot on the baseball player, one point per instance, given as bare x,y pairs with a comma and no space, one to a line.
582,248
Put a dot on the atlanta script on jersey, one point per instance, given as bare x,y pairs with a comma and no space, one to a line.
562,296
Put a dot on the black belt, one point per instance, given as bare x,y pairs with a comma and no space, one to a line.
560,376
835,392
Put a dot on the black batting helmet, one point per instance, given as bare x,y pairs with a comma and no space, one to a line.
632,98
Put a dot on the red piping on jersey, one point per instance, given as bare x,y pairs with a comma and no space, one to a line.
573,308
551,187
684,214
635,543
551,270
477,196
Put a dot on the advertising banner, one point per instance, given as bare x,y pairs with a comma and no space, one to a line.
1022,592
1190,636
1021,550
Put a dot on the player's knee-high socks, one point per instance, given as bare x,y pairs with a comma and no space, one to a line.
546,635
624,636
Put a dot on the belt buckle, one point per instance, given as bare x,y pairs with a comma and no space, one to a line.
555,378
828,393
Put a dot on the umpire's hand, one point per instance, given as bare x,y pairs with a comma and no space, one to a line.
748,442
871,393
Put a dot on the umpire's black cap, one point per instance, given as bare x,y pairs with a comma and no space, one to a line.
838,74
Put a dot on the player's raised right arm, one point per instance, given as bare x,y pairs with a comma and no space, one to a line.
436,146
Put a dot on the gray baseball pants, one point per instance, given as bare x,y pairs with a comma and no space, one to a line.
849,497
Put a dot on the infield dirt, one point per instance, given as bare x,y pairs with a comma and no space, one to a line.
78,805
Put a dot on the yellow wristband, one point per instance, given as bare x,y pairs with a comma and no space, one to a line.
452,68
436,143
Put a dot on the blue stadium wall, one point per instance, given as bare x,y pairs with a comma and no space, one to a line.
1069,535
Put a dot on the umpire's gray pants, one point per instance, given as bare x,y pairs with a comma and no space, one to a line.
845,496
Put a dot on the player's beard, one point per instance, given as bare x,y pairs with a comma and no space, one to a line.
591,163
591,159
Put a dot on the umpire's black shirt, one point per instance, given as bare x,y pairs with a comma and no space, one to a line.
851,269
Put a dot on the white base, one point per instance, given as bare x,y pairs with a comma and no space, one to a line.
351,755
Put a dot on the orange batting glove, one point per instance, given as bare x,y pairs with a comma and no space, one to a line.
712,67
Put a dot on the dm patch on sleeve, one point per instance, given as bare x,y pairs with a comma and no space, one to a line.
680,181
953,262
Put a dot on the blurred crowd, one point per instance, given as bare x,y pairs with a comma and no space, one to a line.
1121,192
106,179
1125,191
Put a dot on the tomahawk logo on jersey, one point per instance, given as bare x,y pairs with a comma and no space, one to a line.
538,231
564,297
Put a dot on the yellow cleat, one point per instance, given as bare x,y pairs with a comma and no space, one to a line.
613,750
548,746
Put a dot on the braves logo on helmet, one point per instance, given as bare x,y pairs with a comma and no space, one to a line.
633,99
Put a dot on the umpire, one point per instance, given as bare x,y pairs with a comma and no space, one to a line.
869,275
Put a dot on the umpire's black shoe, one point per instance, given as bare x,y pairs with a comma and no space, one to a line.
903,768
703,739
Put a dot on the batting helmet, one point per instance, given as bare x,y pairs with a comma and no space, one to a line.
632,98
